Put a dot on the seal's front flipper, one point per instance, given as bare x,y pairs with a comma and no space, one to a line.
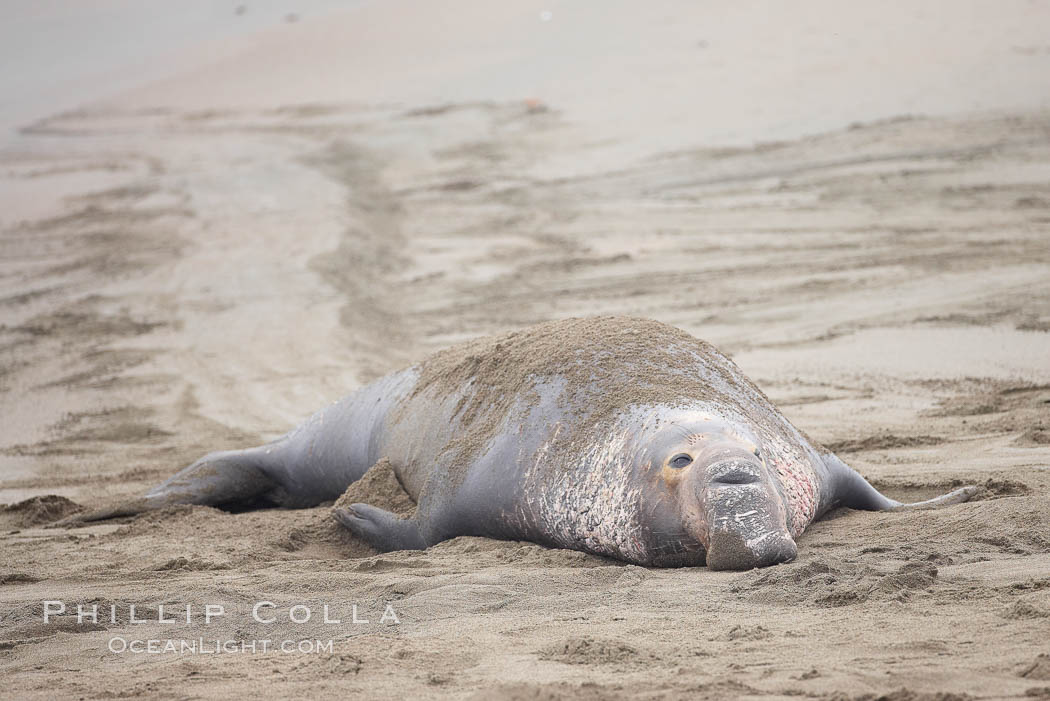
381,529
851,490
956,496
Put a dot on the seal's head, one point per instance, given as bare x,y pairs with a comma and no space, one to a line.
728,497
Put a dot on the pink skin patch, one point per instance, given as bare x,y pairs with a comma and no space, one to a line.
799,482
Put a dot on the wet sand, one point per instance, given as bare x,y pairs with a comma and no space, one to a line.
200,263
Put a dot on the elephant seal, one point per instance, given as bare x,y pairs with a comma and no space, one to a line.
617,436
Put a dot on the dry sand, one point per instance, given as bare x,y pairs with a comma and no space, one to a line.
202,262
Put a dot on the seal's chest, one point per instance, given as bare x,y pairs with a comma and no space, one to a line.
594,507
799,483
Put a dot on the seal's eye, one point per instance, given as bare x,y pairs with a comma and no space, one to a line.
758,453
681,460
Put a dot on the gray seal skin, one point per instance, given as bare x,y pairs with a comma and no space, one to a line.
616,436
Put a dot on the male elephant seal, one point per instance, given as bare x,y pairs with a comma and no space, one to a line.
617,436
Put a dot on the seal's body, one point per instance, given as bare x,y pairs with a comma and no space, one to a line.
616,436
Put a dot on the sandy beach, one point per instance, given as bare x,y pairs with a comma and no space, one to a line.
221,233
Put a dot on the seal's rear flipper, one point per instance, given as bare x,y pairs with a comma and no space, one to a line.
127,508
232,479
381,529
851,490
228,479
